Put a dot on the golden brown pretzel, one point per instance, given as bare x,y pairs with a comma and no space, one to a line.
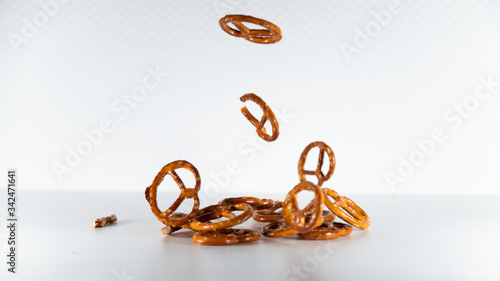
323,147
202,221
151,192
102,222
346,209
295,218
327,230
226,237
271,34
267,115
268,213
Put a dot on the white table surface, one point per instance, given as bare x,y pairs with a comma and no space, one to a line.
411,238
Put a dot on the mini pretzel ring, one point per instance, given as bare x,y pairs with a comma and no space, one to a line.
151,193
218,211
295,218
226,237
327,230
268,214
271,34
346,209
323,147
267,115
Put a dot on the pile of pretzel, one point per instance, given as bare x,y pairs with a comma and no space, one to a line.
285,218
214,224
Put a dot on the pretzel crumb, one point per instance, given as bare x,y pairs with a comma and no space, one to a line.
102,222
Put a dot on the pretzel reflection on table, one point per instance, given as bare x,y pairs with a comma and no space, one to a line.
323,147
270,35
267,115
346,209
151,192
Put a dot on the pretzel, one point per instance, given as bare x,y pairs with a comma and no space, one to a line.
326,231
294,217
219,211
267,115
323,147
268,214
102,222
165,217
346,209
226,237
270,35
252,201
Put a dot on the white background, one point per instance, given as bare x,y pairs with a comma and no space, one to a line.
370,107
68,74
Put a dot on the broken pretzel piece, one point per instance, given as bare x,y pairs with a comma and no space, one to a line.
102,222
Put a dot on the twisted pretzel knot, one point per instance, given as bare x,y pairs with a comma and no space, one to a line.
295,218
271,34
267,115
346,209
323,147
151,192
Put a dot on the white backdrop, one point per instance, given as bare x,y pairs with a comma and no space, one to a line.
407,94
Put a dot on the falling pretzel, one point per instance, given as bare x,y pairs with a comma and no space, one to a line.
268,115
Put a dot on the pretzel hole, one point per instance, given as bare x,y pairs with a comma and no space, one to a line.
235,213
186,206
325,167
312,159
250,25
167,193
187,177
232,26
254,109
269,127
304,198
